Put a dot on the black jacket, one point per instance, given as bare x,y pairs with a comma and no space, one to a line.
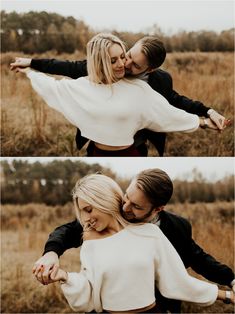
179,232
159,80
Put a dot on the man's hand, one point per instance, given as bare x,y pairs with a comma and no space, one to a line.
44,266
20,63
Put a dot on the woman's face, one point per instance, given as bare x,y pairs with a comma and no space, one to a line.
93,216
118,59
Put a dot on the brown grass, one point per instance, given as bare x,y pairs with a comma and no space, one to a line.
25,229
31,128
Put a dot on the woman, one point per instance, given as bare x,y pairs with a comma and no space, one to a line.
121,261
108,109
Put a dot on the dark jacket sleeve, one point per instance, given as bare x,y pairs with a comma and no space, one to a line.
207,266
161,81
73,69
180,235
64,237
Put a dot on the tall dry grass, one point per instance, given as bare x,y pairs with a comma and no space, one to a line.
31,128
25,229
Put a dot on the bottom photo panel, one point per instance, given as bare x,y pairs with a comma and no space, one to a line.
117,235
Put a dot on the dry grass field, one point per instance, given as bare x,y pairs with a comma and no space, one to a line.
30,128
25,229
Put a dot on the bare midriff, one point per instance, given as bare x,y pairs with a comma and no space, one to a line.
133,311
110,148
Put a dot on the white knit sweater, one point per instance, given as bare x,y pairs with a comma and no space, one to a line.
118,273
111,114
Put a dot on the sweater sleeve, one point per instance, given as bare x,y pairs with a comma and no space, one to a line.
160,116
60,95
78,292
173,280
48,88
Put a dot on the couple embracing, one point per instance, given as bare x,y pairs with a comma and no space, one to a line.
118,100
134,253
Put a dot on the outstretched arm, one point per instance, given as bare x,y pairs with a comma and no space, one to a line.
56,93
207,266
197,107
73,69
160,116
185,103
173,280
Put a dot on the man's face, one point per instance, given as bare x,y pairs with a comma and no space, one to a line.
136,206
136,62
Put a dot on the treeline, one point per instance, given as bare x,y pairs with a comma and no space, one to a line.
37,32
51,183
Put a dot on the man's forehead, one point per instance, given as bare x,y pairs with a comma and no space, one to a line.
132,185
137,54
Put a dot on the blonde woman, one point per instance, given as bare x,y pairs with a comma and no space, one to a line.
107,108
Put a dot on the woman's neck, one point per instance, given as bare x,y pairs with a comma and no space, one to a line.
113,227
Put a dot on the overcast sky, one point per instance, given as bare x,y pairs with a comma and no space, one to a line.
134,15
212,168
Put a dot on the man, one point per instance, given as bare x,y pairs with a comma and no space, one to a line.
144,201
143,61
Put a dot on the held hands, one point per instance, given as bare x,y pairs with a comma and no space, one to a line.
217,118
45,266
20,63
58,274
220,121
210,124
226,296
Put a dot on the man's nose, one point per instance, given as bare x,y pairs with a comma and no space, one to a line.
128,63
126,206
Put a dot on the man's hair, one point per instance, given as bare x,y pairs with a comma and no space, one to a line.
156,185
102,193
99,65
154,50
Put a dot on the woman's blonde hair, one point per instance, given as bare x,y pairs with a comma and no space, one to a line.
101,192
98,59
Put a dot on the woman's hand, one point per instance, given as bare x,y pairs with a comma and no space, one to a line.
44,266
20,63
58,274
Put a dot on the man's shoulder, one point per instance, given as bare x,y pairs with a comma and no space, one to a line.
160,74
174,218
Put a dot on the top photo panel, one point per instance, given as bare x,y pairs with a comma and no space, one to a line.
117,78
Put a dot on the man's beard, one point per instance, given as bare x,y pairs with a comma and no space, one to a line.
133,219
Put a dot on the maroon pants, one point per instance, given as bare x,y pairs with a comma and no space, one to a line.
127,152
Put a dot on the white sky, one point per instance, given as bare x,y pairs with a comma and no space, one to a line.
212,168
134,15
